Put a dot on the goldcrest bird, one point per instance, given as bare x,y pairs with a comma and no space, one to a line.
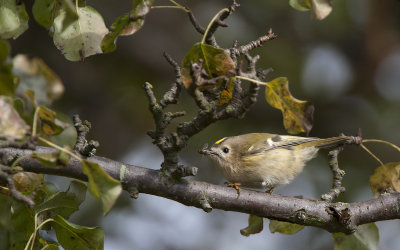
261,160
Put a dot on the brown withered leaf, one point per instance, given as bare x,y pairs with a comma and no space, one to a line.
126,24
386,178
297,114
50,125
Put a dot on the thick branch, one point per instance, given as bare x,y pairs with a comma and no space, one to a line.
333,217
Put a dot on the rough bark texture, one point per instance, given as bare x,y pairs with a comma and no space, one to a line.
333,217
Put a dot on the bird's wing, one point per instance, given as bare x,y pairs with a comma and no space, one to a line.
277,141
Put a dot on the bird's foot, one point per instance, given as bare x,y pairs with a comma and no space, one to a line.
236,186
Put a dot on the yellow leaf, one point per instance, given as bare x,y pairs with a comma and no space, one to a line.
386,178
297,114
284,227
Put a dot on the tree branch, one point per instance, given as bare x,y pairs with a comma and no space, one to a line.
337,173
333,217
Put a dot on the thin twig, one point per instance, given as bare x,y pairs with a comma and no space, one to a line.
17,195
82,146
337,173
30,143
254,44
219,22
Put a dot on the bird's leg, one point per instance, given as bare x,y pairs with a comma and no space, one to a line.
235,186
270,191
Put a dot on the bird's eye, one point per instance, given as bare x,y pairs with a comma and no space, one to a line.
226,150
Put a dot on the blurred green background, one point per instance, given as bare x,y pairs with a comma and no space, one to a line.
348,65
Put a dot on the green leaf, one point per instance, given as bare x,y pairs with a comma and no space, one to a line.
101,185
79,38
385,179
49,124
284,227
301,5
64,157
13,19
47,190
19,105
216,62
255,225
4,51
43,12
5,220
62,203
69,6
365,238
72,236
48,160
12,126
35,75
50,247
66,138
321,8
22,223
126,24
297,114
8,81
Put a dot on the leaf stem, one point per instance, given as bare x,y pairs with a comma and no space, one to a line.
35,119
17,160
252,80
176,6
169,7
384,142
211,22
33,235
60,148
372,154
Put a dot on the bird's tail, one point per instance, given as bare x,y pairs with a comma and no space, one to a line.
337,141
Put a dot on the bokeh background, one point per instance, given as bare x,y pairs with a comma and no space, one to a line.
348,65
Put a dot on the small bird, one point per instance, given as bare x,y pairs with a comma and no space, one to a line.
262,160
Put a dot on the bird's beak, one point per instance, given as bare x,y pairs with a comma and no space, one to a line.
207,151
